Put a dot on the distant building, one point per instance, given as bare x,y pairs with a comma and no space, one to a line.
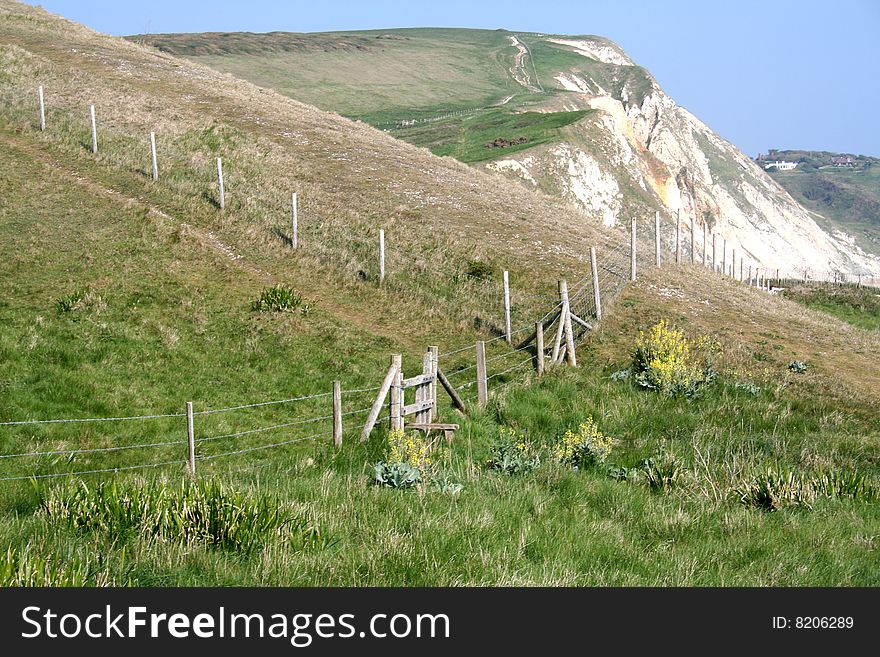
845,161
780,165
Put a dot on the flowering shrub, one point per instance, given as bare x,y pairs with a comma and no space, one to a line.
665,360
411,448
587,447
513,453
406,460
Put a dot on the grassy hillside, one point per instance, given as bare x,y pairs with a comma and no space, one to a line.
857,306
844,198
124,296
380,74
448,90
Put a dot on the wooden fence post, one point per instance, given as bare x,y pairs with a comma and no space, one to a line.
337,414
741,268
750,275
539,347
42,110
427,369
693,240
220,189
657,238
381,256
597,296
566,316
435,367
506,281
397,395
678,237
733,264
94,129
294,223
390,377
705,240
191,440
482,381
155,162
724,256
714,253
632,251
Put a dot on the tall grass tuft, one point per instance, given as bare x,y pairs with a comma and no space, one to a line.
204,512
279,298
776,488
25,569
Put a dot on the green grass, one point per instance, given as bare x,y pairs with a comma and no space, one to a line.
857,306
466,139
554,526
120,299
400,73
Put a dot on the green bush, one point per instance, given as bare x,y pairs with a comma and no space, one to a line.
396,475
280,298
513,454
80,299
586,448
479,270
662,471
666,361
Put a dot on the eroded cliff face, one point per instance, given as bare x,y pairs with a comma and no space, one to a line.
640,152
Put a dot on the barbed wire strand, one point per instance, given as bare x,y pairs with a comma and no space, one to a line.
94,419
268,403
254,449
85,472
263,429
92,451
510,369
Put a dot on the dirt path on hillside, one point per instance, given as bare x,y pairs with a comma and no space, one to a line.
519,72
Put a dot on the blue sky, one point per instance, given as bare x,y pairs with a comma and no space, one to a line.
774,73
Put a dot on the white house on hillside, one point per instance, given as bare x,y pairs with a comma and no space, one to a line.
780,165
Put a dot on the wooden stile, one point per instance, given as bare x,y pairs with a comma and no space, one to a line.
452,392
393,371
435,368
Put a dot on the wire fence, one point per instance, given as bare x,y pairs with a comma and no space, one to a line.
504,356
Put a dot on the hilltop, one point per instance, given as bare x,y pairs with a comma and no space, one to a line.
126,297
841,189
574,115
